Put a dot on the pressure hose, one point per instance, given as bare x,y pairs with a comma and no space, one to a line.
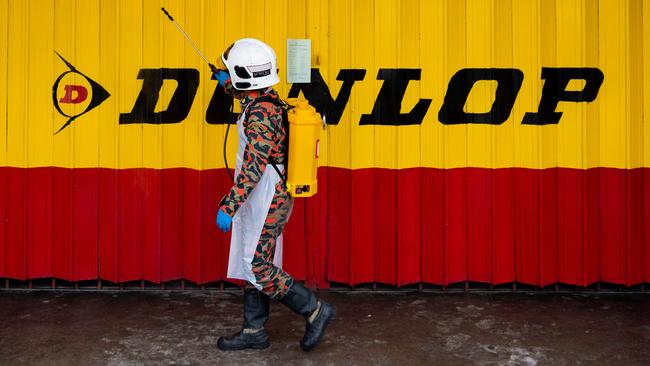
214,70
225,139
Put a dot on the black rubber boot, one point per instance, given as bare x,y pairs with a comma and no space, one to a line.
303,301
253,335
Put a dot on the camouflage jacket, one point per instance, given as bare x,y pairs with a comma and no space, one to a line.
266,135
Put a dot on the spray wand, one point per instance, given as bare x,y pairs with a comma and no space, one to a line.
214,70
212,67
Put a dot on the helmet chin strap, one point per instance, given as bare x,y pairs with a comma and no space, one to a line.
259,91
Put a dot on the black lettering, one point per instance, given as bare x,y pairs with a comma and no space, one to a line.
388,104
318,94
554,92
179,105
508,84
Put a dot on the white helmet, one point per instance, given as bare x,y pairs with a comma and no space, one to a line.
251,63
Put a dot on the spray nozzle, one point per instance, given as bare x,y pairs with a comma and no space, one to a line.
166,13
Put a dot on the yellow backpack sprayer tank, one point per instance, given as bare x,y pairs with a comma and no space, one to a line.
304,148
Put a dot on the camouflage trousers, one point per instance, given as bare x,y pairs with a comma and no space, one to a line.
274,281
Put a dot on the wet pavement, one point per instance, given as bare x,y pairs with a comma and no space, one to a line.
181,328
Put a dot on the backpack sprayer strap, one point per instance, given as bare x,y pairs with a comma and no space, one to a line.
285,107
282,176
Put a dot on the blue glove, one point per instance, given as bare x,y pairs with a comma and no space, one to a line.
223,221
221,77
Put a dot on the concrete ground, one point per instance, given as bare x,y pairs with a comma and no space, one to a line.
181,328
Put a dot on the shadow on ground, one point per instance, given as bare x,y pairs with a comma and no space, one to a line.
181,328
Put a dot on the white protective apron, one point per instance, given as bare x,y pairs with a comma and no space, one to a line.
248,222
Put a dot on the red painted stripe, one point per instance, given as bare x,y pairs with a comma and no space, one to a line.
15,251
479,225
550,197
63,209
503,255
313,207
3,218
645,223
386,222
171,224
39,223
526,223
108,214
397,227
456,220
191,225
151,230
612,226
210,237
408,221
85,224
433,226
362,226
591,227
634,227
338,225
317,211
569,206
129,225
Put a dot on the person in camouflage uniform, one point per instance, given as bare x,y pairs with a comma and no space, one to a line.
252,70
266,135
